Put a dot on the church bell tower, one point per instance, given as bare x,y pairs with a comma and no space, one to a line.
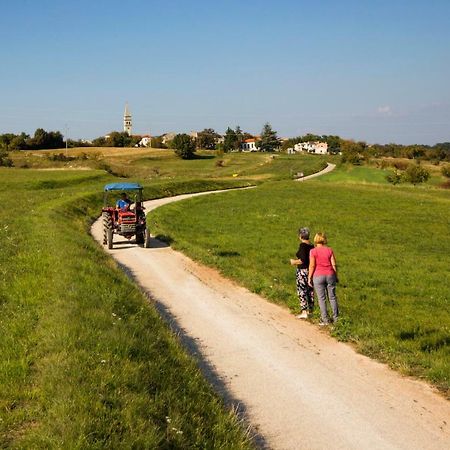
127,121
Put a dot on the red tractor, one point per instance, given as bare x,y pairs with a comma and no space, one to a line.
127,217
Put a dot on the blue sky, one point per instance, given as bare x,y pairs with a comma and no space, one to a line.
374,70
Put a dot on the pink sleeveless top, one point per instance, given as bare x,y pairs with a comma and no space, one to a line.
322,256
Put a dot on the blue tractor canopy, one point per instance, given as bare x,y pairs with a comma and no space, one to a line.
135,189
122,187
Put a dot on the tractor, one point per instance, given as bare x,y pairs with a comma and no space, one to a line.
127,217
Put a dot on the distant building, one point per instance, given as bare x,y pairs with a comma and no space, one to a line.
319,148
166,137
145,141
127,120
249,145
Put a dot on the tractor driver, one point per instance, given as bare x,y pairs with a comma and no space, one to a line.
123,204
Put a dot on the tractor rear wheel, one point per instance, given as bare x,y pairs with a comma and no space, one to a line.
107,225
110,238
147,238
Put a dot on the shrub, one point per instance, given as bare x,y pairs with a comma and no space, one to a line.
446,170
60,157
184,146
4,160
394,177
415,174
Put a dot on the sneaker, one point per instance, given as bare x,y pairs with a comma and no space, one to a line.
303,315
323,324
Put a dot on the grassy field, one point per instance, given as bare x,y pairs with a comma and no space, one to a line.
154,164
392,246
86,361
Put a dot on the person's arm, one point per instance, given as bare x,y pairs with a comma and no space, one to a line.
312,268
333,263
296,262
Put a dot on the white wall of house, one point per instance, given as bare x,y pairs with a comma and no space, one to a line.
249,146
319,148
145,141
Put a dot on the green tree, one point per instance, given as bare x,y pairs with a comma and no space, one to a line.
117,139
19,142
230,139
99,142
352,152
239,138
269,141
184,146
46,139
207,139
416,174
121,139
5,140
334,144
311,138
157,142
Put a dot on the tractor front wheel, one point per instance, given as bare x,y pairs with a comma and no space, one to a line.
140,238
147,238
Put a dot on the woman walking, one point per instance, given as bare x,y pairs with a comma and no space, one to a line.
304,290
323,275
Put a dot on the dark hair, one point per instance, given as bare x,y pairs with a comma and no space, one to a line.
304,233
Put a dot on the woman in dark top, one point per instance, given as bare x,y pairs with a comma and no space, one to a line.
304,290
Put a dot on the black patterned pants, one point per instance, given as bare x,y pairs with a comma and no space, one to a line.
304,291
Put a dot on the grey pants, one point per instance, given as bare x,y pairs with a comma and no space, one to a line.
324,284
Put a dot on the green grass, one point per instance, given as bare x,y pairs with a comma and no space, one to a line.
154,164
86,361
356,174
392,248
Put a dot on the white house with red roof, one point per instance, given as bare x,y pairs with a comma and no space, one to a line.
249,145
319,148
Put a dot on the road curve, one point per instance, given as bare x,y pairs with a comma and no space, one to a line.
297,387
329,168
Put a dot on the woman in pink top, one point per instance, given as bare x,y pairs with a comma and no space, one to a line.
323,275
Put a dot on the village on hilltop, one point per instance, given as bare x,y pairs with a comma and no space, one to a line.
249,144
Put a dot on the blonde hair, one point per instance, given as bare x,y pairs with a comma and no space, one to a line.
320,238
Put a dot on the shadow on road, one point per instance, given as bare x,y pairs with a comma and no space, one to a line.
192,346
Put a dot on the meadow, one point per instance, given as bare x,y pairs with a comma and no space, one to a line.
156,164
86,360
392,248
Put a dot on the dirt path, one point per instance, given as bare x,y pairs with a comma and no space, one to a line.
298,387
329,168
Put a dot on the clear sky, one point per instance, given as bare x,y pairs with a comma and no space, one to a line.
374,70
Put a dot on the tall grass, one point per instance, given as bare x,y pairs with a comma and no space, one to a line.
86,361
392,248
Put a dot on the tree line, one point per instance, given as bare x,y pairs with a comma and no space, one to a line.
40,140
355,152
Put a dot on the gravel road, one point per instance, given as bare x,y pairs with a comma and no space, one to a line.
296,386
